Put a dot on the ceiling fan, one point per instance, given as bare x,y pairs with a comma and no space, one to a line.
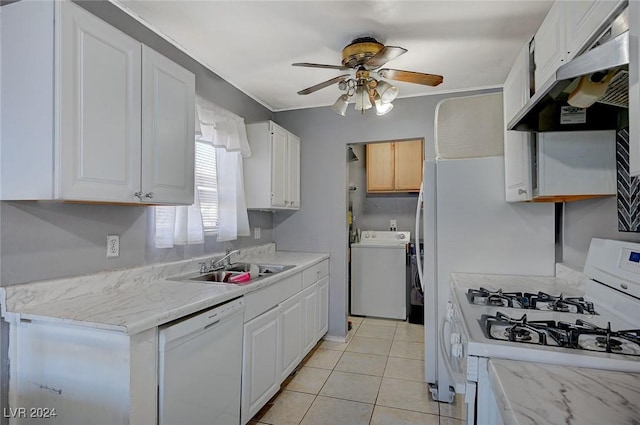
365,56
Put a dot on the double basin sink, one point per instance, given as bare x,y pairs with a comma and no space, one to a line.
237,270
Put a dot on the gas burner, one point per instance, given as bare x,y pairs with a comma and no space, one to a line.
543,301
531,301
516,334
497,298
579,335
614,344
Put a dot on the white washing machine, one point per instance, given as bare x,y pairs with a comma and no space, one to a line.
378,274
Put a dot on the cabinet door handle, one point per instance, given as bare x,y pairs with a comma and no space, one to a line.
521,192
138,195
149,195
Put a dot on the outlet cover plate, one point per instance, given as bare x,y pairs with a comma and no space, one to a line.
113,246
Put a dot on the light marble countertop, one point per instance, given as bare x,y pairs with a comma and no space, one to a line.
137,299
542,394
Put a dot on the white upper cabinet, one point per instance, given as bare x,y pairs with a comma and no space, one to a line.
517,144
272,172
116,123
566,31
168,108
549,51
100,82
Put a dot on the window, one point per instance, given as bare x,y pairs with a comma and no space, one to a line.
206,185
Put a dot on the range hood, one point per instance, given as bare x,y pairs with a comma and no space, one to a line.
549,110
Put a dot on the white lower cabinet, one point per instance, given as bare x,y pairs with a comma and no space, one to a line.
292,326
322,294
310,309
285,323
261,375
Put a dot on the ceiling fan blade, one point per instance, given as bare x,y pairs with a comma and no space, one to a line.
319,65
383,56
322,85
411,77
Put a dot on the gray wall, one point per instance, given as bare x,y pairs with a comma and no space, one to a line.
47,240
321,223
583,220
372,211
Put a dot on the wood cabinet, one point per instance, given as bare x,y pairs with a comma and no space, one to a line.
517,144
116,121
567,30
394,166
272,172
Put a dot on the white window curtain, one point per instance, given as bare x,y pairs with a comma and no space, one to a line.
227,132
180,225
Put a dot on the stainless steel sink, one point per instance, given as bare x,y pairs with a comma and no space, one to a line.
222,276
263,269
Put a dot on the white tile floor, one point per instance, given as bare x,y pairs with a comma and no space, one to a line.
374,379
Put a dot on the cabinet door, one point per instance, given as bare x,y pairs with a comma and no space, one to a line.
584,21
291,334
634,88
408,165
100,108
278,166
322,293
516,87
380,166
261,362
517,166
517,144
293,170
550,44
310,317
168,105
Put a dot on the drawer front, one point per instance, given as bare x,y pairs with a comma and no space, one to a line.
264,299
315,273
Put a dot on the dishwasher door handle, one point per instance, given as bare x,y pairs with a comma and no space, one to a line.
212,324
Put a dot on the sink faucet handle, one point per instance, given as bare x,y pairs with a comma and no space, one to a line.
203,267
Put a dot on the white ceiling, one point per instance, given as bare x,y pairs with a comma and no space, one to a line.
252,44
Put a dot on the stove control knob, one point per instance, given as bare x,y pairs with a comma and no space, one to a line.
456,350
455,338
450,312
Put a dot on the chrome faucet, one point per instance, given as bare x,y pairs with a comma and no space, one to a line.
224,261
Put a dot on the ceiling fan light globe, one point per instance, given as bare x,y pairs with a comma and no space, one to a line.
383,108
362,100
340,106
387,92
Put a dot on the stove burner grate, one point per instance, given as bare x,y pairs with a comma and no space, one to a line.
532,301
579,335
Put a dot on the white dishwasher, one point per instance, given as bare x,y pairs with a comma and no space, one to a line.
378,274
200,367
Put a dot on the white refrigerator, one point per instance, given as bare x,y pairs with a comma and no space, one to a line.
467,226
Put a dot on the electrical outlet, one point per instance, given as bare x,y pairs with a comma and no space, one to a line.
256,233
113,246
393,225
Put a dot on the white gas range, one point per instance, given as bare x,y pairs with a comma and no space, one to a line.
585,320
